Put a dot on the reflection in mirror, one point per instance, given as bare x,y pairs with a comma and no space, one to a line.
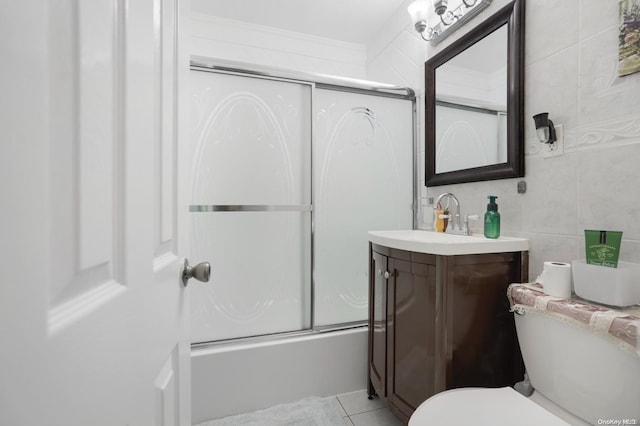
474,103
471,106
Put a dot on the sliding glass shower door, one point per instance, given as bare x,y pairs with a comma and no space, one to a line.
251,208
363,181
288,177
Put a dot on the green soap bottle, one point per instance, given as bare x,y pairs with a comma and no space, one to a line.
492,219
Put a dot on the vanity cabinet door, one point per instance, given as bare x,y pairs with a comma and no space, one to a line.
480,328
378,324
440,322
412,334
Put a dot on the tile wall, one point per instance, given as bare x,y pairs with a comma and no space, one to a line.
571,65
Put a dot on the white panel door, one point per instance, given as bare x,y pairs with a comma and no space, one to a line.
93,316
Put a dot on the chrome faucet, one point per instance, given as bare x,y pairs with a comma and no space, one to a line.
456,219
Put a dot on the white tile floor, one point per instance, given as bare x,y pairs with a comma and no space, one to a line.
360,411
352,409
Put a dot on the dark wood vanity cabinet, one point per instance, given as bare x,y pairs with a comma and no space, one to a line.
377,323
440,322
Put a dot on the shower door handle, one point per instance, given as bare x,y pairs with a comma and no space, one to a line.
200,272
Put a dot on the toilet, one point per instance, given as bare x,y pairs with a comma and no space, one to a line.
583,361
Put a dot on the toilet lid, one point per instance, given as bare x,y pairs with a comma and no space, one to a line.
482,406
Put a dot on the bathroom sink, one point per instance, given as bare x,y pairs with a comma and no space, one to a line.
446,244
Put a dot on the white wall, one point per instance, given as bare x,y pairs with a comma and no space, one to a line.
571,62
240,41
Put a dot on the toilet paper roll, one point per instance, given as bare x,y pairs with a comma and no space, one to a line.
556,279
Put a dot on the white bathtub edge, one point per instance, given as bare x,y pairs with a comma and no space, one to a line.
236,378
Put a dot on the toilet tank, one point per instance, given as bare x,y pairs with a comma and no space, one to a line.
587,373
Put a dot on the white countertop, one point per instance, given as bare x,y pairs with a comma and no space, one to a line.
446,244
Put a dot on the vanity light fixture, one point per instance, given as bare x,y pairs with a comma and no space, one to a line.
450,18
545,129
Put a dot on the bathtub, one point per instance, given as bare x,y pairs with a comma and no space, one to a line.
237,377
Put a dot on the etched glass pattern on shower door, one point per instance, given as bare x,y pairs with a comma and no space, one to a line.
251,205
363,181
478,130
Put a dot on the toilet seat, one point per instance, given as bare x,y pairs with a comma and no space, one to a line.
482,406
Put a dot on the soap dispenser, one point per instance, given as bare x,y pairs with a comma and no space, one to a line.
492,219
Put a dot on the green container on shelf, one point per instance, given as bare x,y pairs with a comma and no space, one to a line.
603,247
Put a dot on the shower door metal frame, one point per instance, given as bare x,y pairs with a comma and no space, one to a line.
321,81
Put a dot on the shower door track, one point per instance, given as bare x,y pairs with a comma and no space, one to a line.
272,337
324,81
